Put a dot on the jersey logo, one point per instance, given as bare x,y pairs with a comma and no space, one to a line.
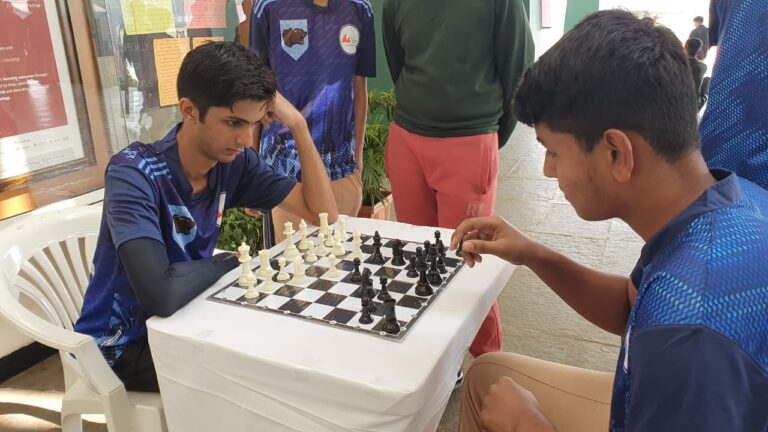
349,39
220,212
295,37
185,229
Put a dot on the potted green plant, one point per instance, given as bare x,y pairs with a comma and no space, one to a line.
238,227
377,200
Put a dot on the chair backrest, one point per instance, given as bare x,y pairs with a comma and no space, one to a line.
47,259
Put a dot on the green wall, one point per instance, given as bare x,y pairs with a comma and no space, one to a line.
577,10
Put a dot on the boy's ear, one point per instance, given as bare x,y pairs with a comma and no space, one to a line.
188,110
619,154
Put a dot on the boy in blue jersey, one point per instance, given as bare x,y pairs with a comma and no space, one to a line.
321,51
622,141
163,202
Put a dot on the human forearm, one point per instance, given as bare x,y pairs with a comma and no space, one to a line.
599,297
315,184
163,288
361,116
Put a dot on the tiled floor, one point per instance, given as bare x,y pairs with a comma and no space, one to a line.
536,322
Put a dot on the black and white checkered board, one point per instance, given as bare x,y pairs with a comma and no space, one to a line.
336,301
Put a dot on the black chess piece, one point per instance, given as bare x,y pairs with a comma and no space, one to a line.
366,286
356,276
433,276
376,239
423,288
383,293
397,254
390,325
420,257
438,242
459,249
412,268
377,257
427,247
441,264
365,317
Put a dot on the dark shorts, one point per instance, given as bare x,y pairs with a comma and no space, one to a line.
136,369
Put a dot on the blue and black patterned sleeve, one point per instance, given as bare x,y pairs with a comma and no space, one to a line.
130,205
366,51
691,378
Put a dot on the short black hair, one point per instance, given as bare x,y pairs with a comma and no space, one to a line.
693,46
699,19
614,70
219,74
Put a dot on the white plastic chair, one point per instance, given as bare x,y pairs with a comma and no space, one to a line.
45,262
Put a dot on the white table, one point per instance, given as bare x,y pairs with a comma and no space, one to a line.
227,368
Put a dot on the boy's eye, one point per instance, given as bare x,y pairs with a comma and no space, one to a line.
233,122
551,154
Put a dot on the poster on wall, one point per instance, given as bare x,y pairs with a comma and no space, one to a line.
38,119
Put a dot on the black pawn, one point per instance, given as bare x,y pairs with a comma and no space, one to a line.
423,288
377,257
420,257
412,268
434,275
376,239
356,276
397,254
365,313
391,325
427,247
384,293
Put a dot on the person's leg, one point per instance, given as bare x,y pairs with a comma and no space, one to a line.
414,200
348,192
572,399
464,173
136,369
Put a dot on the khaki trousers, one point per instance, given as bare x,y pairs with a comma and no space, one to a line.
348,192
573,399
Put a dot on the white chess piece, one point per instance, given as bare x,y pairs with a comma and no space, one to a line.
311,257
303,243
290,248
268,286
356,242
251,292
338,248
330,240
298,271
320,250
265,270
282,275
324,223
342,237
244,258
332,270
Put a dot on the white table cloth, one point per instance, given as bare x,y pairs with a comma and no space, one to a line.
228,368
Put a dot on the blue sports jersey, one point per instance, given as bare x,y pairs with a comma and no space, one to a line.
694,356
734,128
315,53
147,195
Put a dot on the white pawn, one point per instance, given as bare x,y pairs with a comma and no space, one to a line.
324,223
290,248
298,271
332,270
265,271
303,243
356,242
251,292
338,248
320,250
311,257
282,275
268,286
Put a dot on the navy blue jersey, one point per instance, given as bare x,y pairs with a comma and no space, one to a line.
734,128
315,53
694,356
147,195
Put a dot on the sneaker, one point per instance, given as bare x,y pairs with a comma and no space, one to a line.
459,380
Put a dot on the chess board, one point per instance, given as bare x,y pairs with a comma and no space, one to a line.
335,301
